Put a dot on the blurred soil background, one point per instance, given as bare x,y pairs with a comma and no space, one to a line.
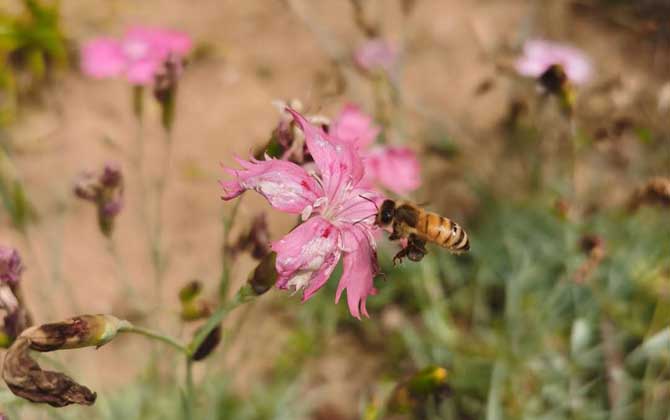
455,80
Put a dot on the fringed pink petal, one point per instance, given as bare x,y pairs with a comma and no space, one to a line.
359,269
338,162
307,256
285,185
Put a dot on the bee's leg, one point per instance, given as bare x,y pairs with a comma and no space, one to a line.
397,259
416,248
396,233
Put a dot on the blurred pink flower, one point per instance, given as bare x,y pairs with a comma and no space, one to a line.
377,55
539,55
10,265
105,190
139,55
394,167
354,126
338,213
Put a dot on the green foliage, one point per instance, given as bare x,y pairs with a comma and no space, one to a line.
30,43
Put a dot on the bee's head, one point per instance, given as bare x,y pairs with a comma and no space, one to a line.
386,213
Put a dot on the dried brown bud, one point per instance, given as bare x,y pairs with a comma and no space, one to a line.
211,342
264,275
594,248
591,244
26,378
77,332
655,192
257,239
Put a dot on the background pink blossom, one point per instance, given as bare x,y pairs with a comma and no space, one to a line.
539,55
137,56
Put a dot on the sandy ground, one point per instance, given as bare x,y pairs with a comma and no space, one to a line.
258,51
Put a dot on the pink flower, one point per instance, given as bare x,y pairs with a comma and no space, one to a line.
539,55
377,55
139,55
10,266
338,213
394,167
353,126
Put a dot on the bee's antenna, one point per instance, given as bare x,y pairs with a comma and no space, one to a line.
370,200
366,217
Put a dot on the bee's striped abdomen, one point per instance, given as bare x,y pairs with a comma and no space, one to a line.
443,232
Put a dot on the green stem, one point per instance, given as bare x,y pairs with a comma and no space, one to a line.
156,239
243,295
155,336
226,260
190,389
122,273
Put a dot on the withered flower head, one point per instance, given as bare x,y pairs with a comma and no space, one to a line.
288,141
594,248
10,265
105,191
25,377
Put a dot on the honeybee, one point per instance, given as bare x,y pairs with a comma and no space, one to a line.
419,226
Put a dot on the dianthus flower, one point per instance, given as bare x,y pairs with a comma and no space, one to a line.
139,55
10,266
394,167
539,55
377,55
337,210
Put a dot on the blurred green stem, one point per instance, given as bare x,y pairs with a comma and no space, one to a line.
228,222
243,295
122,272
190,389
157,256
154,335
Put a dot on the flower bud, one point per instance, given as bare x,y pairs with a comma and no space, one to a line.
264,275
193,307
555,81
105,191
211,342
165,89
190,291
77,332
410,394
